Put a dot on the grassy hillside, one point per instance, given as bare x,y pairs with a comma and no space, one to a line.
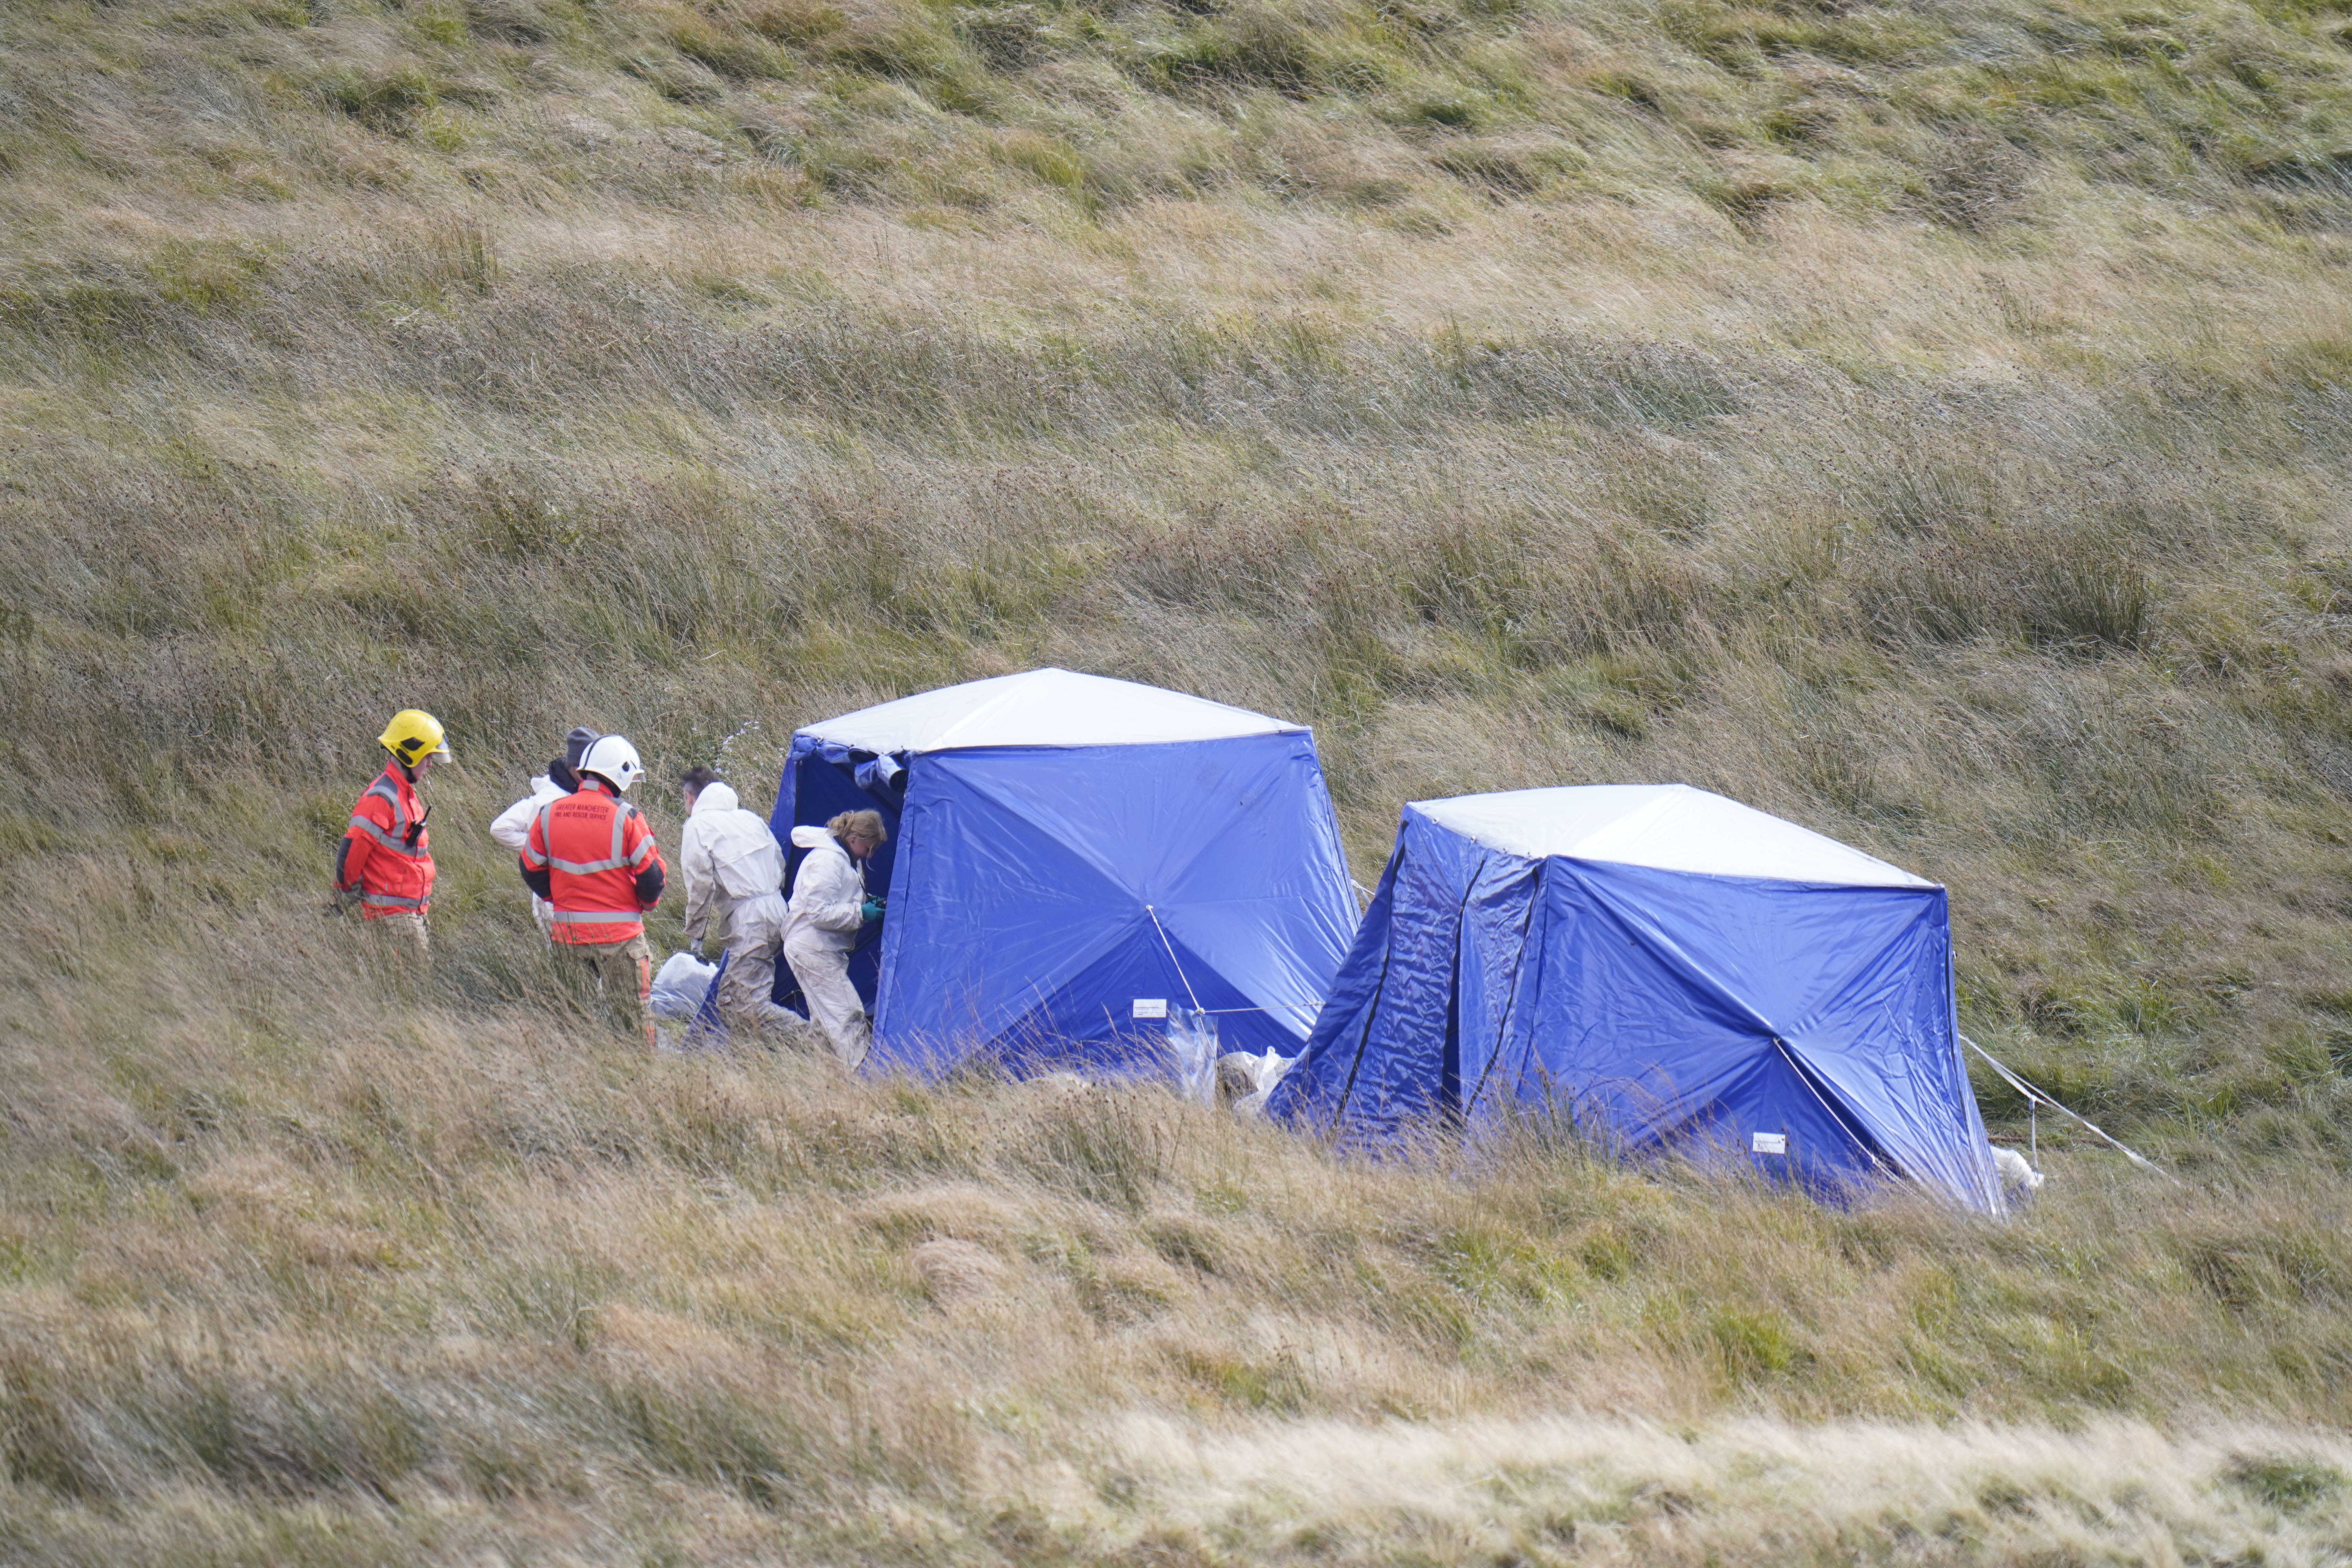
1931,422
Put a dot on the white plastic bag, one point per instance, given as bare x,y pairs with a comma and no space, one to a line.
1192,1042
1262,1072
680,984
2019,1180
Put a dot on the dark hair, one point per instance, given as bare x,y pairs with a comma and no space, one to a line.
698,779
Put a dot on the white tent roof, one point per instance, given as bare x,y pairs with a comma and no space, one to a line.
1043,708
1673,828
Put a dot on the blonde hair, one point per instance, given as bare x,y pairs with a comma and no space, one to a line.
866,824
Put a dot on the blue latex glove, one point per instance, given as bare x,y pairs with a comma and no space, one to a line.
871,910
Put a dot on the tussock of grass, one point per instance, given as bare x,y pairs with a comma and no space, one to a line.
1927,423
405,1267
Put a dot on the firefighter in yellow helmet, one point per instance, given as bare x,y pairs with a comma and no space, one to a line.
386,860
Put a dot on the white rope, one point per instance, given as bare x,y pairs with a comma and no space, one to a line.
1172,958
2034,1096
1853,1134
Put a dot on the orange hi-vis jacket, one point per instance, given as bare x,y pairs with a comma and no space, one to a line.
591,854
384,855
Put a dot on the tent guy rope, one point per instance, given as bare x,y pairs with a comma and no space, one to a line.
2036,1097
1172,958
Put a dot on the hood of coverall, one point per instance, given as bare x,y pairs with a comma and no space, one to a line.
714,797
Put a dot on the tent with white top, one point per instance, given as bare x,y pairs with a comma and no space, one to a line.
1072,857
1673,969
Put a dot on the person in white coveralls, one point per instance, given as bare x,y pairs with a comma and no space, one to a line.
512,826
734,873
829,907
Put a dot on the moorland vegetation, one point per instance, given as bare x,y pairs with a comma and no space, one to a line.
1927,421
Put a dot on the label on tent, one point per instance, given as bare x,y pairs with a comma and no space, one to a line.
1151,1007
1768,1143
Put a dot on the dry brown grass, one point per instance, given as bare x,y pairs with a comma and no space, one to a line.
299,1275
1928,423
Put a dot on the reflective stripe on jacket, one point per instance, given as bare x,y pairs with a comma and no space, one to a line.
600,866
386,856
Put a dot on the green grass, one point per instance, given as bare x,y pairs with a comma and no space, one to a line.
1928,424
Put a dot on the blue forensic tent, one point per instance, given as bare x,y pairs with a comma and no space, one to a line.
1071,857
1675,969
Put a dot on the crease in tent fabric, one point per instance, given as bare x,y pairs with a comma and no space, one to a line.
1020,807
1379,989
1846,1125
1860,974
2033,1095
1510,1003
1451,1039
1591,877
1449,1044
1371,1018
1180,966
1449,1047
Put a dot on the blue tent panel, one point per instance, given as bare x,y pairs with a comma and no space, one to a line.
1042,891
1663,1008
1036,892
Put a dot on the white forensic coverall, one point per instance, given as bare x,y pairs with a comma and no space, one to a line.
821,929
734,873
512,826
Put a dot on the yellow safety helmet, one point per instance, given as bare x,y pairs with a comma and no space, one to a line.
412,735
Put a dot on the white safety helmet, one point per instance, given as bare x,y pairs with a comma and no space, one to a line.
613,760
